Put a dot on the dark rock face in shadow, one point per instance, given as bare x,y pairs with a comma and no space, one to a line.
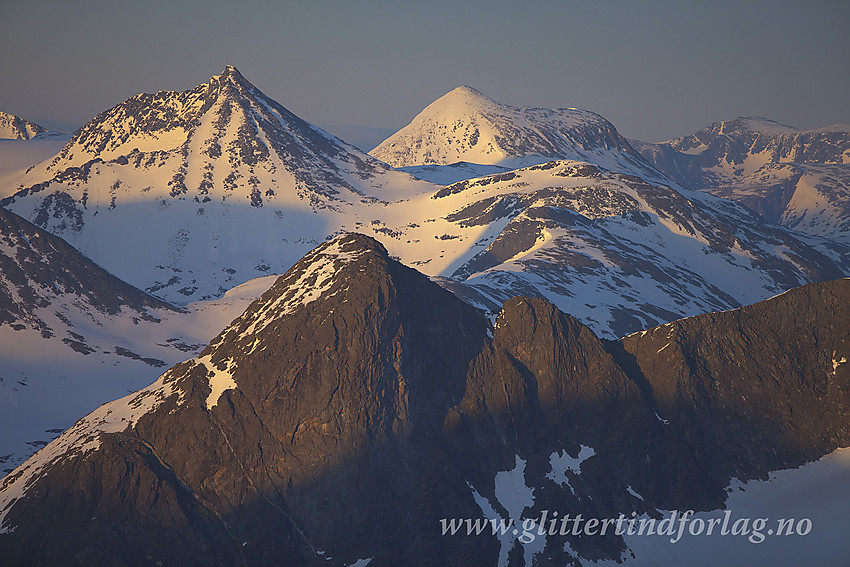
356,404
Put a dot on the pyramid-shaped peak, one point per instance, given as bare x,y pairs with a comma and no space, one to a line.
341,250
323,272
231,72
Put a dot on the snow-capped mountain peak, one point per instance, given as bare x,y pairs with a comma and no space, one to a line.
194,173
464,125
228,107
230,74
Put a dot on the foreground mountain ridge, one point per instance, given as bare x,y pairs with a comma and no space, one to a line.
356,403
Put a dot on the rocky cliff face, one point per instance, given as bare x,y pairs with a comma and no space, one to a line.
356,404
763,386
348,337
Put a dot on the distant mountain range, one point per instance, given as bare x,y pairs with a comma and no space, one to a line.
16,128
798,178
612,249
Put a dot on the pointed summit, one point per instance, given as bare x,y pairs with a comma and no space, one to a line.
466,90
166,119
463,101
231,71
230,75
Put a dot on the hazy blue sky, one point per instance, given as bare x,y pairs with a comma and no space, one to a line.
655,69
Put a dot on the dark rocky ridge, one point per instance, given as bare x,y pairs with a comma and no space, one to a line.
367,401
772,371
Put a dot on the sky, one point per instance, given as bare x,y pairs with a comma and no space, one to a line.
656,69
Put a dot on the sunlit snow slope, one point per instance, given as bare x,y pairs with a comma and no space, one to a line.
187,194
614,250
